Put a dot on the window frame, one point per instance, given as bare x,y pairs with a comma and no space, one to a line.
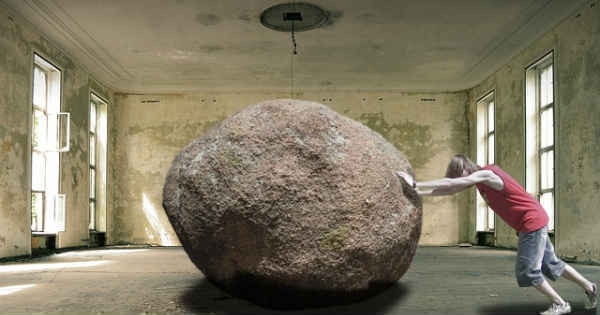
93,135
534,110
541,109
36,149
43,64
540,68
483,105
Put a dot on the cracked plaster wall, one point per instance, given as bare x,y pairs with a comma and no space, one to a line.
151,129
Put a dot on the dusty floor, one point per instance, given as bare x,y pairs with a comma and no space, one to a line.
441,280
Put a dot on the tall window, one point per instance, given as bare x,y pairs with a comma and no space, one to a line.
47,205
540,133
98,145
485,155
93,164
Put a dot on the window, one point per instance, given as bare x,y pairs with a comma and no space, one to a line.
485,155
92,165
47,140
539,117
98,145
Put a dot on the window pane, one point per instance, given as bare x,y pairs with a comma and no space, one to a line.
547,201
93,117
491,117
92,183
37,212
491,147
52,138
481,208
546,86
542,88
38,171
59,212
92,215
550,85
40,129
490,218
92,150
39,87
547,127
547,169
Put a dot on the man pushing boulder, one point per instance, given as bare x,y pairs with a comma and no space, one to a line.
536,259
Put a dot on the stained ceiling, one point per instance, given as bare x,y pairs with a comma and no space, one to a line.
166,46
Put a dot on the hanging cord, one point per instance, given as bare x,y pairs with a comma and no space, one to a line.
294,38
292,63
295,52
292,77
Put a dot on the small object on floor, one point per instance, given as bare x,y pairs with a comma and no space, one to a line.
557,309
591,300
465,245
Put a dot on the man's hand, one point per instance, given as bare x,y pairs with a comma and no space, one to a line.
407,178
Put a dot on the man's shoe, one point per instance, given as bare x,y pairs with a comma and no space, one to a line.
558,309
591,300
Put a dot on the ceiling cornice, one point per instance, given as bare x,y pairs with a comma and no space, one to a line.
500,52
81,47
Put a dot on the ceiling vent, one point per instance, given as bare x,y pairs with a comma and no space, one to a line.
295,16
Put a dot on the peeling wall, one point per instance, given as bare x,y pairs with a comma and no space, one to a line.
149,130
15,68
576,45
18,42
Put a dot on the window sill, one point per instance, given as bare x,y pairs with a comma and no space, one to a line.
43,234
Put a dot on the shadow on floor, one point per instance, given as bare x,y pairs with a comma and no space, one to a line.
204,297
528,309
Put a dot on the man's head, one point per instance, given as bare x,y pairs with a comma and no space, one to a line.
460,166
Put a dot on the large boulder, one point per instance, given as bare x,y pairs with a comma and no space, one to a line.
291,205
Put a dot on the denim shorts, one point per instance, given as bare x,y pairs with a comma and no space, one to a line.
535,257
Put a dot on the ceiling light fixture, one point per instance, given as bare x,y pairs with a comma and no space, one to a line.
293,17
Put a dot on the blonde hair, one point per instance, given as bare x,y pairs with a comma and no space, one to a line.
459,163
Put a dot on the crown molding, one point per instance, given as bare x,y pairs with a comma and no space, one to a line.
54,23
541,17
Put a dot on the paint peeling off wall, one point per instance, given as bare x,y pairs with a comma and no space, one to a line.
14,126
151,129
18,43
413,139
576,46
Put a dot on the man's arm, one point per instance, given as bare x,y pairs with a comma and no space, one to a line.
449,186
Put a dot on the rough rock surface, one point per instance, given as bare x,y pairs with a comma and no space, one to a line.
291,205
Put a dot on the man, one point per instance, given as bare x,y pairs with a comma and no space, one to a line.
508,199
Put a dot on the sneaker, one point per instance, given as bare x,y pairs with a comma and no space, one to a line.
591,298
557,309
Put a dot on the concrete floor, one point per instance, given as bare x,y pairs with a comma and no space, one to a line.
441,280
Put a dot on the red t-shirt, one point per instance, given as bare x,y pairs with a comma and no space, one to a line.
513,204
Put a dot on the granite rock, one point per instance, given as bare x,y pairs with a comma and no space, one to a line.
291,205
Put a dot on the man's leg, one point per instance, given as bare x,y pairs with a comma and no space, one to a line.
591,289
553,268
549,292
571,274
530,254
